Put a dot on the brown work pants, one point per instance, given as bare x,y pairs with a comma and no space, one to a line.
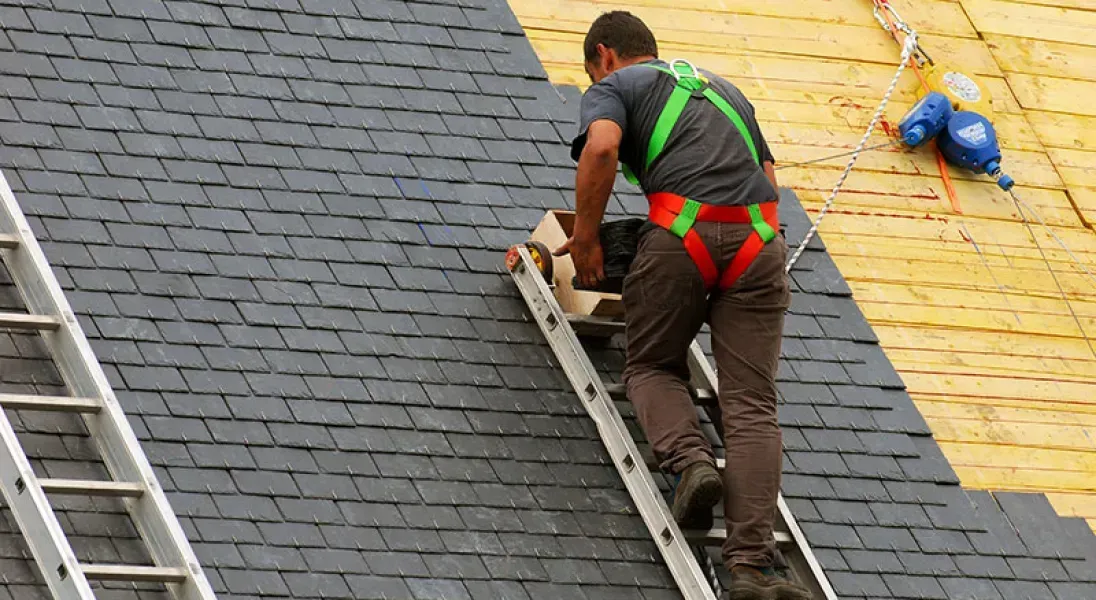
666,304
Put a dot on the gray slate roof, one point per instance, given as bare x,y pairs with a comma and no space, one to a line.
281,222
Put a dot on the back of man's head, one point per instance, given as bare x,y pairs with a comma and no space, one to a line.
622,31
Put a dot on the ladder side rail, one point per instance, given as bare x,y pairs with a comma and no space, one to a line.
586,381
41,529
803,561
114,437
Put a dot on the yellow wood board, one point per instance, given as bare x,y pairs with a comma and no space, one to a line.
1035,436
1079,4
1057,130
972,308
1033,168
994,255
783,78
987,343
1050,407
1032,21
946,228
999,387
930,361
998,415
1085,200
1020,479
929,16
895,191
1001,366
1040,57
680,28
1074,504
1005,456
877,270
1042,93
1056,76
841,125
964,304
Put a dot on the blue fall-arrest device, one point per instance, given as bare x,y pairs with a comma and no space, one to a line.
926,119
969,141
966,139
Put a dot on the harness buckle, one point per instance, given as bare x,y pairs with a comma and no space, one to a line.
693,73
688,77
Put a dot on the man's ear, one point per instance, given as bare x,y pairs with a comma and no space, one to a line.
606,58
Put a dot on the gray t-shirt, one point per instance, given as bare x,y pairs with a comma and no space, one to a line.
705,157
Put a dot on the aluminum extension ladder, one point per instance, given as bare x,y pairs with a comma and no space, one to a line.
133,479
685,553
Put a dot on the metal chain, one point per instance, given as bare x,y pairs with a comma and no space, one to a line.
907,50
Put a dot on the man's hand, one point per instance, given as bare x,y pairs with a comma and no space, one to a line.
588,259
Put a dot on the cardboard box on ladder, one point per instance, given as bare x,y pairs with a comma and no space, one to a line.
553,231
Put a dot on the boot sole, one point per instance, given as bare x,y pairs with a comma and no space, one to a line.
693,510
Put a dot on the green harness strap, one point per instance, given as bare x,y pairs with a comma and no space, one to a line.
762,227
687,83
735,118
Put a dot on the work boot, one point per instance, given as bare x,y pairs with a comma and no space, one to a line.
700,488
751,583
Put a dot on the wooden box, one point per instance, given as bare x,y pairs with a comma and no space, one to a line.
553,231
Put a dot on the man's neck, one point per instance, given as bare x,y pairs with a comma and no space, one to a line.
639,59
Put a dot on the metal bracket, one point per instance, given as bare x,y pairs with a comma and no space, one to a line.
678,75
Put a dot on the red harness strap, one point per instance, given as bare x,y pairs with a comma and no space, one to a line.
665,210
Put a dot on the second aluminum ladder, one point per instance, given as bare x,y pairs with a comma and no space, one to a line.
27,495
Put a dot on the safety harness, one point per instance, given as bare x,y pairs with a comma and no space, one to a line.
677,213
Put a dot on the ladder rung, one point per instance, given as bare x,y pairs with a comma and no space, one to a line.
8,241
618,392
595,326
50,403
134,573
30,322
92,488
716,536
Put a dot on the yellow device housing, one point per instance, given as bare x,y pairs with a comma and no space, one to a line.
961,87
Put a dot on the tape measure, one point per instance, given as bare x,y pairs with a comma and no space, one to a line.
539,252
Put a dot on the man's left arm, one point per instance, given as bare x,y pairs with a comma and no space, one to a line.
594,179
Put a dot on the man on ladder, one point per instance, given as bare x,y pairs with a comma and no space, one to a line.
710,253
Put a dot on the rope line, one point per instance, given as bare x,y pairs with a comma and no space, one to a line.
840,155
985,263
907,51
1058,284
1080,265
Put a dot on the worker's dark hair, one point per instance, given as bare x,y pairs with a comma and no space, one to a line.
622,31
